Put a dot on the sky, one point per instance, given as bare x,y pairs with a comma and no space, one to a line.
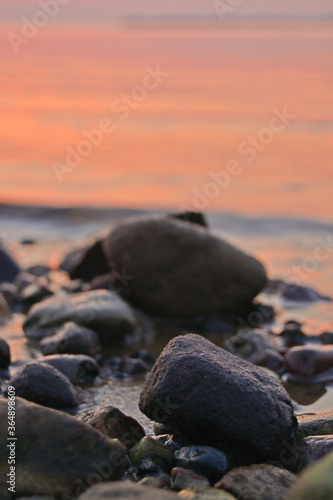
101,10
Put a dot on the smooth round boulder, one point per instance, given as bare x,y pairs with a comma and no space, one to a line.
217,399
309,360
56,454
115,424
79,369
259,482
72,339
180,270
44,385
101,310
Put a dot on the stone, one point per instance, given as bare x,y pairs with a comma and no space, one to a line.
293,335
9,268
39,270
5,312
203,460
149,447
152,466
36,292
270,359
183,481
85,262
248,343
72,339
209,396
165,259
315,425
10,293
309,360
326,338
35,498
102,311
44,385
4,355
115,424
133,366
168,441
78,368
316,448
205,494
260,482
315,482
56,454
145,356
126,491
191,217
162,481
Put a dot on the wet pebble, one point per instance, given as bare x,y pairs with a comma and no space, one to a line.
169,441
315,425
203,460
261,482
309,360
149,447
270,359
115,424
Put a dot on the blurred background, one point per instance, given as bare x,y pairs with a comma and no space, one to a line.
216,105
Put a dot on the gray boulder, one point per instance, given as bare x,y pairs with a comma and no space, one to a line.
217,399
56,454
44,385
102,311
175,269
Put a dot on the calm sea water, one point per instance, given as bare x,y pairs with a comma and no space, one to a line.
207,135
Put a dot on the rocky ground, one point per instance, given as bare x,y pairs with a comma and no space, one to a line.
225,427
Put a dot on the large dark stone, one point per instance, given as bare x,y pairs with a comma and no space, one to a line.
217,399
9,268
56,454
45,385
175,269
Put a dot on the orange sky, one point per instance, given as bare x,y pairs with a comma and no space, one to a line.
222,87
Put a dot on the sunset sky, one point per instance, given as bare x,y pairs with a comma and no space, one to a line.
223,85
